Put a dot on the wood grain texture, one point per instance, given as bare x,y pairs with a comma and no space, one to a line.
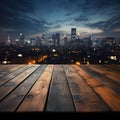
102,78
8,69
111,98
10,76
12,84
12,101
59,98
85,99
59,88
111,73
36,98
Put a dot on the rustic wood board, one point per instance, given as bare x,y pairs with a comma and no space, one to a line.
84,97
59,88
36,98
12,75
59,98
111,98
111,73
13,83
13,100
8,69
111,83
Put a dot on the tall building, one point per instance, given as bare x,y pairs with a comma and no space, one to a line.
73,33
43,39
109,41
56,39
65,40
39,41
22,38
33,42
50,42
91,36
8,40
53,39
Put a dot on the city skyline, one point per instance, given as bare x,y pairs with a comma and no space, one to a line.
34,18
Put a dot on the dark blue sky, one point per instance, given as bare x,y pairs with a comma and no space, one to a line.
34,17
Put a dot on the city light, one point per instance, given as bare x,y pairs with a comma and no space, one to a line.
31,62
21,34
4,62
53,50
19,55
113,57
55,55
77,63
88,62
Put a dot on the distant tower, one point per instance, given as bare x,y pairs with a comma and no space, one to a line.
73,33
53,38
22,38
65,39
90,40
91,36
39,41
8,40
56,39
78,35
51,42
43,39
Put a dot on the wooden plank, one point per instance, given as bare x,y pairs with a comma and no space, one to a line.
111,83
13,100
84,97
4,66
7,70
111,98
106,71
112,67
36,98
59,98
6,78
116,65
6,88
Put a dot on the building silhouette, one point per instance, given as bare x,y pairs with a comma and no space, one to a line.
22,38
8,40
73,33
56,39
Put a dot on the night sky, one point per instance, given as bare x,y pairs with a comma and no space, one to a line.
35,17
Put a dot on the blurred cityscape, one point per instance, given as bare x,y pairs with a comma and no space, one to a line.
55,50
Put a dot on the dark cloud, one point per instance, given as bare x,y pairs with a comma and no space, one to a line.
14,17
27,24
81,18
16,7
57,26
12,13
108,25
36,16
90,7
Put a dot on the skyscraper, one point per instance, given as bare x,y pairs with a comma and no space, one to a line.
73,33
43,39
22,38
56,39
8,40
65,40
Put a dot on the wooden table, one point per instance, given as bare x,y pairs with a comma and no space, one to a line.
59,88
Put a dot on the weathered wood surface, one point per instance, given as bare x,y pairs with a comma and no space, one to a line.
59,88
59,98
